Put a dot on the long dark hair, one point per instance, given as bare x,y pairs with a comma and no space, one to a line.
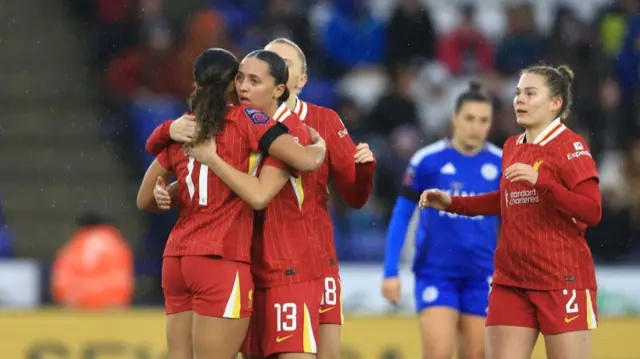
278,69
213,71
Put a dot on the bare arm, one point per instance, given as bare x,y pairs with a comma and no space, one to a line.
256,191
302,158
146,200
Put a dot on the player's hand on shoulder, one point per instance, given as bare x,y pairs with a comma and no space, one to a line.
363,153
391,289
183,129
204,152
161,195
315,136
520,172
435,198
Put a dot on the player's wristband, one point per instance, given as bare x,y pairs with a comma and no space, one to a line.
271,134
410,194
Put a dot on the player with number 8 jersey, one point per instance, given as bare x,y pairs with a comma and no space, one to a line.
351,174
287,258
215,229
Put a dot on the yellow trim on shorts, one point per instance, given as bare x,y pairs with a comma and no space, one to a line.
233,307
308,337
592,322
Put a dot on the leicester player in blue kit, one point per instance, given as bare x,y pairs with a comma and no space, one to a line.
453,261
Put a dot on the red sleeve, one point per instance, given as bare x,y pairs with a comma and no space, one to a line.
576,163
159,139
353,181
164,159
582,203
487,204
297,129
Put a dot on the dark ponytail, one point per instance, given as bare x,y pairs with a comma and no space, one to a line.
278,69
285,95
473,94
213,72
209,103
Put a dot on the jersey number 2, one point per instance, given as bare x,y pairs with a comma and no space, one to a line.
571,306
203,181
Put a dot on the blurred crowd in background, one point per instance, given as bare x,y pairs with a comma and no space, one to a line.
392,70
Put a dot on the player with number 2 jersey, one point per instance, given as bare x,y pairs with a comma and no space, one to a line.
544,277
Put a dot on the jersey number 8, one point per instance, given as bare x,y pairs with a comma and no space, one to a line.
330,296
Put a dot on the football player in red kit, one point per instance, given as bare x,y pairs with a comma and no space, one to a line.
544,279
215,228
351,167
287,259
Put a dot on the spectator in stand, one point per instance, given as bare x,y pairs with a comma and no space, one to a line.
397,107
283,18
353,38
411,34
619,231
114,26
522,45
465,50
611,24
572,42
144,67
207,29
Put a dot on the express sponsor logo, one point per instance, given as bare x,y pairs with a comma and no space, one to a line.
577,154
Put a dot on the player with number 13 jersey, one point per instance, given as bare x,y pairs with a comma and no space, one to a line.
215,229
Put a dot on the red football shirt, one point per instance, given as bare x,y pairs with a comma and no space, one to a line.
354,182
540,247
213,220
286,248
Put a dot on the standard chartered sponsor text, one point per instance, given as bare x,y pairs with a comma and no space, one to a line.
523,197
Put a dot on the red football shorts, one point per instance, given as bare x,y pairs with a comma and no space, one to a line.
331,304
286,320
551,312
208,285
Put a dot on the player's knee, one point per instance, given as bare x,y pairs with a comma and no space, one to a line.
475,354
438,354
328,354
434,355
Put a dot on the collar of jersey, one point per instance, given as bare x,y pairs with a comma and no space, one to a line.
282,113
300,109
549,133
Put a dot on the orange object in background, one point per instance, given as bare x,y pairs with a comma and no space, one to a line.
94,270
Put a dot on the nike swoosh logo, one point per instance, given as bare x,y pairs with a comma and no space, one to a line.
326,310
569,320
278,339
